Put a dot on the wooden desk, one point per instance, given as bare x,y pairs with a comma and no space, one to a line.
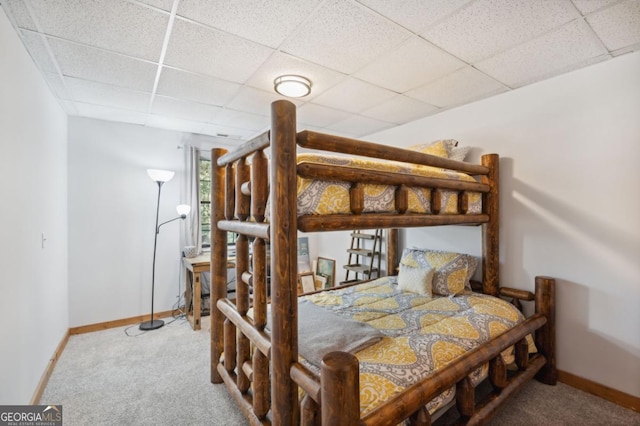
194,267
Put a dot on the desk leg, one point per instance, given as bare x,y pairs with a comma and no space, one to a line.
188,305
197,296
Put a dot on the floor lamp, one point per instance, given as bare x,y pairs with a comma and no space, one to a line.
160,176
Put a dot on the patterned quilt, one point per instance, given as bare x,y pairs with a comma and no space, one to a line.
322,197
422,334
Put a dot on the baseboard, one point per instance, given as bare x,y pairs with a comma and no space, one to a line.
47,372
617,397
118,323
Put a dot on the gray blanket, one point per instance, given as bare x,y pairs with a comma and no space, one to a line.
320,331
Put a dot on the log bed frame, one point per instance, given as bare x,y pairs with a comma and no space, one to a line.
261,369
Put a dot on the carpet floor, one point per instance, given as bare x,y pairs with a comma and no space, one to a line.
123,376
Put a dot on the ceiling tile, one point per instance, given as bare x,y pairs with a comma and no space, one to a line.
412,64
230,133
256,101
187,110
193,47
35,43
319,116
587,6
20,14
399,110
196,87
344,36
170,122
462,86
557,51
619,25
415,15
359,126
265,22
160,4
280,63
87,63
115,25
233,118
110,114
107,95
353,95
487,27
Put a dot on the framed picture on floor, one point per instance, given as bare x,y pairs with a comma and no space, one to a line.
321,282
307,282
327,268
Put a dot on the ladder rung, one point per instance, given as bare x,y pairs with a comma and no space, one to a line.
362,236
360,252
363,269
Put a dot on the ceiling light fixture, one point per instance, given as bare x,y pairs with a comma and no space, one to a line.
292,86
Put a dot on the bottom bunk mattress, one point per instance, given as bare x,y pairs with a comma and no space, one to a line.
417,334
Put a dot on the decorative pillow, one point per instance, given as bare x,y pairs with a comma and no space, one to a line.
452,271
439,148
415,280
459,153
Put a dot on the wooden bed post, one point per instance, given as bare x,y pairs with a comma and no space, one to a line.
218,262
284,274
490,230
340,389
545,303
392,250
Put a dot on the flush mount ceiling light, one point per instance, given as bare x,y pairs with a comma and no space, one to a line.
292,86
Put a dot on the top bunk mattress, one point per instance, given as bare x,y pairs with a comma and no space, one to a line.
323,197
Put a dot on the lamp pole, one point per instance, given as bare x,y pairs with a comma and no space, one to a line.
154,324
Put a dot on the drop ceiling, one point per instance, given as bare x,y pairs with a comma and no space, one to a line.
208,66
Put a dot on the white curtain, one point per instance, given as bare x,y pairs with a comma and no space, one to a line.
193,234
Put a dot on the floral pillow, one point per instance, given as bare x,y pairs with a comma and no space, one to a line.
440,148
445,148
452,271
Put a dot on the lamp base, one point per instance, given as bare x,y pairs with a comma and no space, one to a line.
151,325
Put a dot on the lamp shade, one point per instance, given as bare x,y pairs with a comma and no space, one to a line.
160,175
183,209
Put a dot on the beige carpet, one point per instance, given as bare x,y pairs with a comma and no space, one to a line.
161,377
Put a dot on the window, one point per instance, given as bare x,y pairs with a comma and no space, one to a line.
205,201
205,204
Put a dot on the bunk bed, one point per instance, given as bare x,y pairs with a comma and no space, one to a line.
254,338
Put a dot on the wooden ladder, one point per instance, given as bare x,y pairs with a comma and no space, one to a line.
361,259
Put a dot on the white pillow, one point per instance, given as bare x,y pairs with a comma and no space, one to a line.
415,280
459,153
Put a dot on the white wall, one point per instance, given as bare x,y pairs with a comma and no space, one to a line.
33,190
112,210
569,200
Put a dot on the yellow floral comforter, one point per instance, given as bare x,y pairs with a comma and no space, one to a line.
322,197
422,334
